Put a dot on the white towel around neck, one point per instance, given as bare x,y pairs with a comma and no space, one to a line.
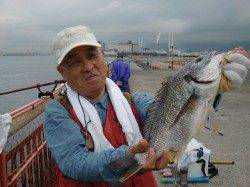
122,110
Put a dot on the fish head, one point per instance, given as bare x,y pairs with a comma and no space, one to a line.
203,74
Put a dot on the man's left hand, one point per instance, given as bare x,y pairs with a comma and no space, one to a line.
235,70
152,163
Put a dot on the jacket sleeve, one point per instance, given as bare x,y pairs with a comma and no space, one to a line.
142,102
114,77
68,148
127,73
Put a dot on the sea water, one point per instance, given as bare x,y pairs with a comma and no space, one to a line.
23,71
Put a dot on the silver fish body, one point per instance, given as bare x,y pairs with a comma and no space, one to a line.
180,106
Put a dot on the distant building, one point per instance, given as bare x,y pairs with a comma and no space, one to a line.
112,47
102,44
136,48
171,43
110,53
125,47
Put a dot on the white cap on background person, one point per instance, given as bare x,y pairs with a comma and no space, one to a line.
72,37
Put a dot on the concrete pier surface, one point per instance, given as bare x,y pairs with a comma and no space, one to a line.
160,62
234,117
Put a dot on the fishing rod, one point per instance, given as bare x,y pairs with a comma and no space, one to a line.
38,86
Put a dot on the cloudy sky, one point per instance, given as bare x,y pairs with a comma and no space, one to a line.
31,24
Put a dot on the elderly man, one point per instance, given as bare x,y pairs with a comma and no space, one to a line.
96,124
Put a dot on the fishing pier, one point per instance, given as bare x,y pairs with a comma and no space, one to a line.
30,162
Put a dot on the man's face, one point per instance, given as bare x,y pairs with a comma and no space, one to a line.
85,70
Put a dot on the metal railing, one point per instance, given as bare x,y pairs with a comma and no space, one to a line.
25,159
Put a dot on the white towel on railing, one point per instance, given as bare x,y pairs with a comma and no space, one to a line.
122,109
5,121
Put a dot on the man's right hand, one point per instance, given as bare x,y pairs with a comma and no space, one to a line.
152,163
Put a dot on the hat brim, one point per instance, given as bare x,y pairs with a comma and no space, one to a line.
69,48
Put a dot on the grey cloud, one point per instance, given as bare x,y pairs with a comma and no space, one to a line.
26,23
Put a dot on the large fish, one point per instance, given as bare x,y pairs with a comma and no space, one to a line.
180,107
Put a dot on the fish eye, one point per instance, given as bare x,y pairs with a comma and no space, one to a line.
198,59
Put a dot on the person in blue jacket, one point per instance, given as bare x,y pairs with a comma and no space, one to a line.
120,73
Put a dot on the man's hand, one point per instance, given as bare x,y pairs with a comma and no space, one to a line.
119,83
140,147
156,164
152,163
234,70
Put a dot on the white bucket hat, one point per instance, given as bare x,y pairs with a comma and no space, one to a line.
70,38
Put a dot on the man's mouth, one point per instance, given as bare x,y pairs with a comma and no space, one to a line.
90,77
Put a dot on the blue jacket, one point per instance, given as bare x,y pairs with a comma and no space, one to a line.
120,72
68,146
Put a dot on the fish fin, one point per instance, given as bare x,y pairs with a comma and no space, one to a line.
190,103
214,122
201,127
130,172
179,154
215,125
122,163
173,156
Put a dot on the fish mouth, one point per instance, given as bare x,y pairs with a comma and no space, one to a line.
190,78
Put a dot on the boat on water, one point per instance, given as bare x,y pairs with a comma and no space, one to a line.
25,159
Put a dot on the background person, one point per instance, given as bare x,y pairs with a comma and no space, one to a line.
120,73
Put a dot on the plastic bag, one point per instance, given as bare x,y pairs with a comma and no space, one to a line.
5,121
196,158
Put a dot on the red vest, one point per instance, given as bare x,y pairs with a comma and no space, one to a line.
113,132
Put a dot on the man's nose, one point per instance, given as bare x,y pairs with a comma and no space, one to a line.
88,65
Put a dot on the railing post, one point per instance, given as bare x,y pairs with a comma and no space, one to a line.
3,174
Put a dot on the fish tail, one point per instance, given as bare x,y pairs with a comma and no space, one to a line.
130,172
122,163
127,163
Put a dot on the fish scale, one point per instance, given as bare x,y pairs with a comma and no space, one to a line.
167,111
158,110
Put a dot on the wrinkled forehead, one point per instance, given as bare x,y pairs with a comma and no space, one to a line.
81,51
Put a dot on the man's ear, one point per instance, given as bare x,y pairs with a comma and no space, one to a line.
102,52
60,69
